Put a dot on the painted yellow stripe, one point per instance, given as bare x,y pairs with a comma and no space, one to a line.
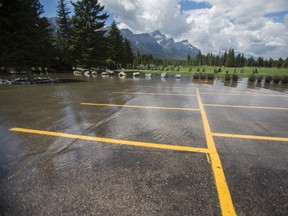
141,107
225,199
113,141
216,93
244,94
240,136
246,107
146,93
156,86
202,91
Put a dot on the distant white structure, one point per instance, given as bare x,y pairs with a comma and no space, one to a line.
122,74
87,73
110,72
136,74
148,75
178,76
164,75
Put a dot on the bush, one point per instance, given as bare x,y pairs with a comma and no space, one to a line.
219,70
167,69
234,77
285,79
215,71
190,69
227,77
259,78
276,79
210,76
196,76
268,79
203,76
198,70
252,78
203,70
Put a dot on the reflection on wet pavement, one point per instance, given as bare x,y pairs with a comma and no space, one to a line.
53,175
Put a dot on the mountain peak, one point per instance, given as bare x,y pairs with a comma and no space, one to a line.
158,35
157,44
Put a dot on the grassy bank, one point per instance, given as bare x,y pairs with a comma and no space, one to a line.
242,72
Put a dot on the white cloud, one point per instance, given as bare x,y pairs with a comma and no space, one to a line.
240,24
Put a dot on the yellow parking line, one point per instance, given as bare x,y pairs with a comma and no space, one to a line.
150,93
246,107
141,107
159,87
216,93
220,91
281,139
225,199
244,94
114,141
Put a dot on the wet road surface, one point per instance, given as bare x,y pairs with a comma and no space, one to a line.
219,148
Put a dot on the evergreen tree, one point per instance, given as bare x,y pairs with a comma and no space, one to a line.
88,44
230,58
116,45
64,32
128,54
199,58
25,38
188,59
224,59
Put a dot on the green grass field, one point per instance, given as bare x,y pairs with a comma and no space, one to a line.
210,69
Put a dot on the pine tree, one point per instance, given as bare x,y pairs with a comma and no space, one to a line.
128,54
88,44
116,44
64,32
188,59
230,61
25,38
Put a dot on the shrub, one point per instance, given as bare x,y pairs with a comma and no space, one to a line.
227,77
196,76
210,76
234,77
219,70
235,70
276,79
285,79
190,69
167,69
259,78
268,79
178,69
252,78
198,70
215,71
203,70
203,76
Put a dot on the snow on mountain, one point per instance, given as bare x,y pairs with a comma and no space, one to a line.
159,45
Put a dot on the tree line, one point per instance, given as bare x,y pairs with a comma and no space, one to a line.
81,40
229,59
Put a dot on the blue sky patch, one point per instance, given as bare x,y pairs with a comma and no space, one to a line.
277,17
191,5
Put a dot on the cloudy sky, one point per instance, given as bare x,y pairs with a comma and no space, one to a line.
257,27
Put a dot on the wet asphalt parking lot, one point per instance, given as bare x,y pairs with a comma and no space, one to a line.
111,146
